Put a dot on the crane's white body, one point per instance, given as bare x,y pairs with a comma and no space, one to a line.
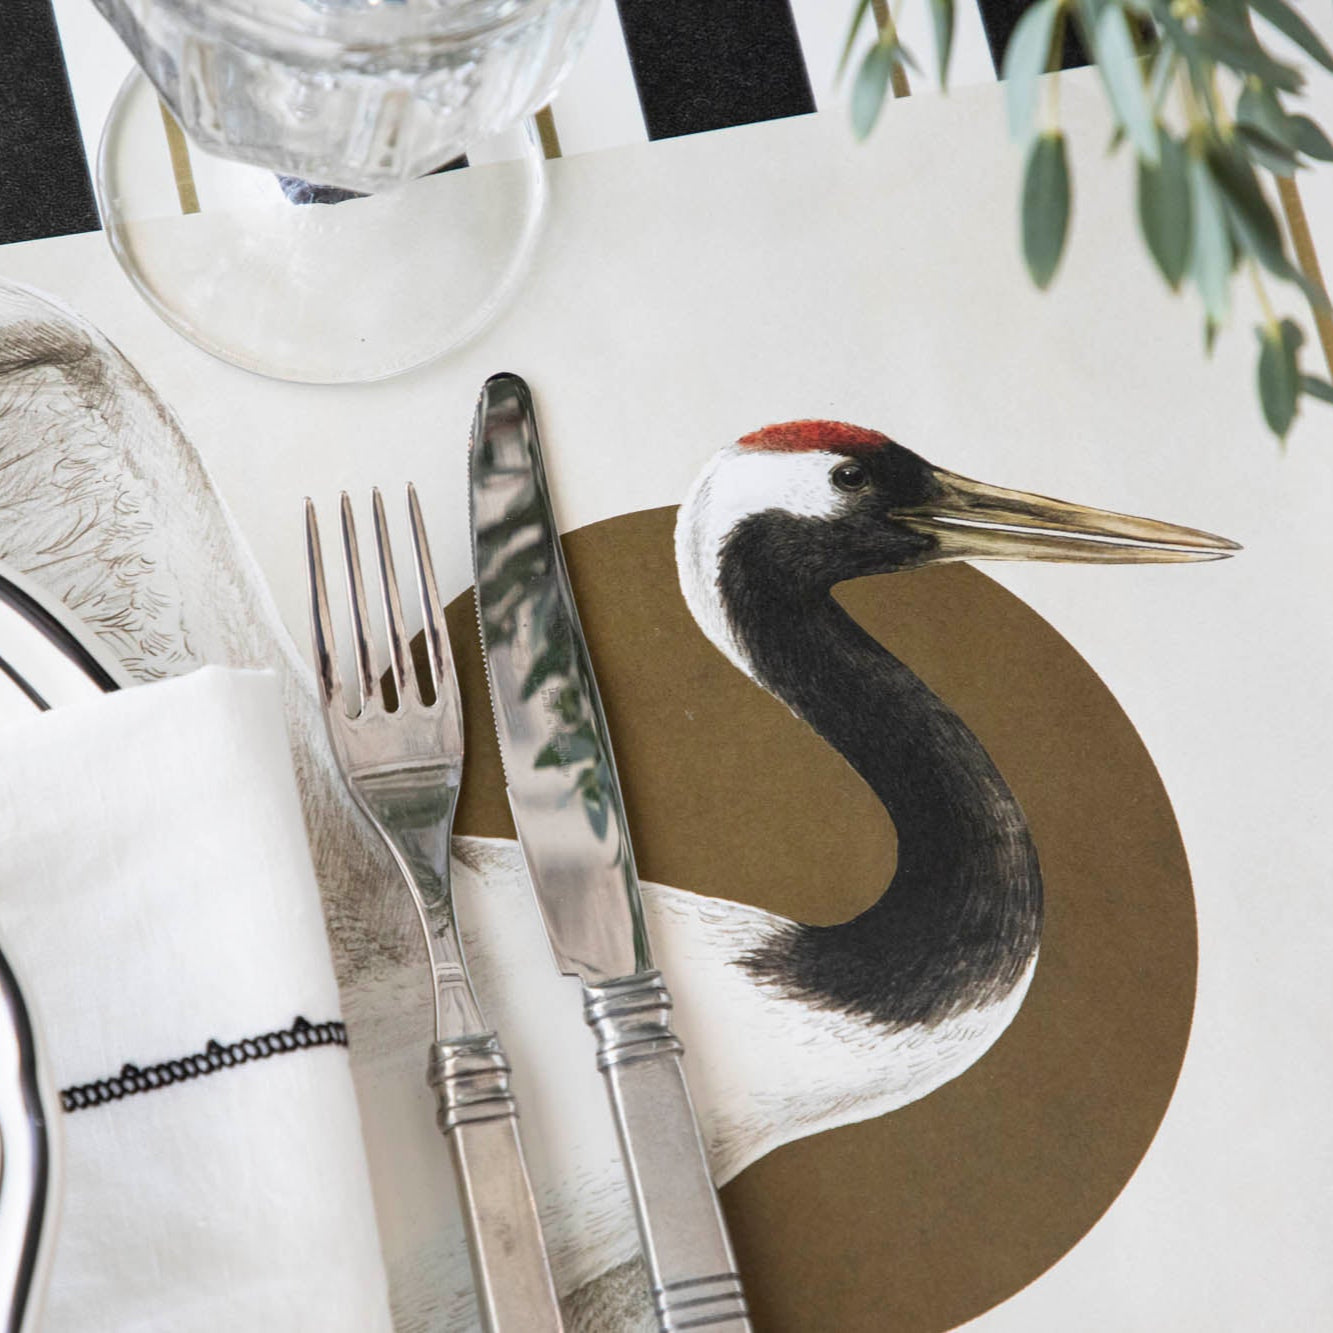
764,1069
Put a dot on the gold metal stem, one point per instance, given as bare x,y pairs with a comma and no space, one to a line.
547,132
1303,243
179,149
887,28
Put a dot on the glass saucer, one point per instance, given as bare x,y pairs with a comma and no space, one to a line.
318,286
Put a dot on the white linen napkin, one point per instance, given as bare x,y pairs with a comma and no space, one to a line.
157,896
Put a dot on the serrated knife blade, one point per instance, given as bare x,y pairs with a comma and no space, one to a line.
557,757
566,800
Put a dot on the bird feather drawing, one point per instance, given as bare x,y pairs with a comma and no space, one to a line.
790,1029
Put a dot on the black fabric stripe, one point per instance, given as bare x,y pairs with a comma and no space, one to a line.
1000,18
45,189
303,1035
701,65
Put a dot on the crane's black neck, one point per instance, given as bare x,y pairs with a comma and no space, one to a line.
960,921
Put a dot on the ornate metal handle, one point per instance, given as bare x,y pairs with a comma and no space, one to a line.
685,1243
476,1113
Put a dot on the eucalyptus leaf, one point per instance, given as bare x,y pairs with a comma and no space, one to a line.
1290,24
1185,42
858,14
1279,376
1314,293
1123,77
1163,67
942,13
1086,14
1259,108
871,86
1210,245
1164,209
1248,208
1045,206
1253,220
1311,140
1317,388
1279,159
1236,46
1025,60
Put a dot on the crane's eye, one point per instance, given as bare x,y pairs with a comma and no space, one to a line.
849,476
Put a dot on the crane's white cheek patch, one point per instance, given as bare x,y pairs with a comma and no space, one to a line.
735,485
743,481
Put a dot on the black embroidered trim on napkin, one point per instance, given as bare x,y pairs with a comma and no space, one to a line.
301,1036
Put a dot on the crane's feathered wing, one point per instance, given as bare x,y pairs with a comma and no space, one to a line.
107,505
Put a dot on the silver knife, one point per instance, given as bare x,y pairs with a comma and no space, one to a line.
567,806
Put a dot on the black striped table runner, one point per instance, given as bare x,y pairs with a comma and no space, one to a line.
697,65
45,187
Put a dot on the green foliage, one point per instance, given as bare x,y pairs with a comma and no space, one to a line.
1123,78
1026,58
1317,388
1164,209
941,13
1045,206
1212,257
1288,22
872,82
858,16
1311,140
1279,374
1199,99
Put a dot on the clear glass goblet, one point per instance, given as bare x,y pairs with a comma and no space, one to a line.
330,245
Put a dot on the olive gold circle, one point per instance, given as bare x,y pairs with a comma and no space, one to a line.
922,1219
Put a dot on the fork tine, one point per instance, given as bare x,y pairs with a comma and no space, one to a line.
356,597
442,672
321,629
393,606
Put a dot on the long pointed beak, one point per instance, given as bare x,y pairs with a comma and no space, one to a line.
972,521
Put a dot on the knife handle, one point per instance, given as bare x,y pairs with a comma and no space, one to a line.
476,1113
691,1266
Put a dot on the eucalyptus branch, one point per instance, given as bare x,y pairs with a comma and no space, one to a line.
1203,212
1261,295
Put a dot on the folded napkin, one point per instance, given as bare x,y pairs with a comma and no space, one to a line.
157,897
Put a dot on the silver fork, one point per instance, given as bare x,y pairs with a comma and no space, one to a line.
404,767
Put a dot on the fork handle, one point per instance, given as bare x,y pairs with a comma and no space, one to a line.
691,1265
476,1113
